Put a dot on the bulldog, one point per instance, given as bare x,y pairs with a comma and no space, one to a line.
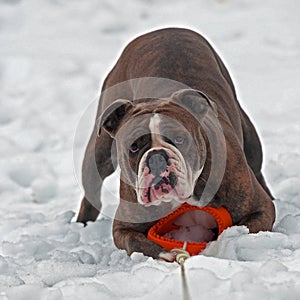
169,116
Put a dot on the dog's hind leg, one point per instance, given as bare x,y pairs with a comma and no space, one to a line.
253,151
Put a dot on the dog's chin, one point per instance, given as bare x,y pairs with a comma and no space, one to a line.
159,200
156,202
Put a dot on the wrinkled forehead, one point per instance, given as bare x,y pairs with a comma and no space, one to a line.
150,123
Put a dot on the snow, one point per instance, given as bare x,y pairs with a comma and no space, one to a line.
54,55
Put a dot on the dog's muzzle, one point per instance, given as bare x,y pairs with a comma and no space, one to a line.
163,176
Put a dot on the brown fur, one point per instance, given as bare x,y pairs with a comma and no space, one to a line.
184,56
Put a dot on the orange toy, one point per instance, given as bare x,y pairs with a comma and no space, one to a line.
156,232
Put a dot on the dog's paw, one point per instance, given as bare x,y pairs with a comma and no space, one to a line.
167,256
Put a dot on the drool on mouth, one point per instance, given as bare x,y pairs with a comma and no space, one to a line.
161,185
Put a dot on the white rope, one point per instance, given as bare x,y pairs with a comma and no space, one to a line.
181,256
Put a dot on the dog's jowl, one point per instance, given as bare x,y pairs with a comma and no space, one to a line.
168,115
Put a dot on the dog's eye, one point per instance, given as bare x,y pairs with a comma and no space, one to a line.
179,140
134,148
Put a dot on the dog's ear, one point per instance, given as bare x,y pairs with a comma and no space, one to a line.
196,102
112,116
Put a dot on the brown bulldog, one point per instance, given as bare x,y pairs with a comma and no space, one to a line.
169,117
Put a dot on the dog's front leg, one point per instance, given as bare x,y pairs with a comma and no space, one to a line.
132,222
133,238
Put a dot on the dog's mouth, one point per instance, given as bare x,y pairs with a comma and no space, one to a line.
158,188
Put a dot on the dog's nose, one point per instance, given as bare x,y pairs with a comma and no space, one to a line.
157,161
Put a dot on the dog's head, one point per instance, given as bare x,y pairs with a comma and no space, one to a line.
161,147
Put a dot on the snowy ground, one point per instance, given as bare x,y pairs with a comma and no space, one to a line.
53,56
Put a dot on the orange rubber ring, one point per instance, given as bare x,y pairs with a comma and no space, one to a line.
164,225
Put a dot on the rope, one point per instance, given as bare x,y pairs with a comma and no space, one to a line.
181,256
